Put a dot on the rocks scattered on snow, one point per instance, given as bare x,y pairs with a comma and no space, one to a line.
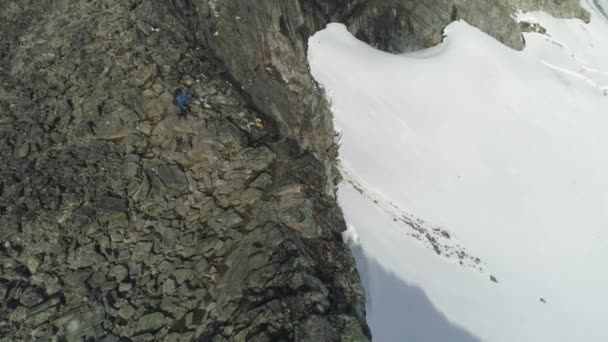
532,27
435,238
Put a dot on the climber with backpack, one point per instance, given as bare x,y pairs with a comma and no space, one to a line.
182,101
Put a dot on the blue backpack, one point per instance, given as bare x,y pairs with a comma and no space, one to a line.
182,100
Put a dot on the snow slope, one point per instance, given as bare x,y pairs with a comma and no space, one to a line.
470,160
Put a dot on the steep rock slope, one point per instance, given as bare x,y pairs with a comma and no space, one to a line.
122,221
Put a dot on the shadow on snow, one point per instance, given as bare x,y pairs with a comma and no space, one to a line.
397,311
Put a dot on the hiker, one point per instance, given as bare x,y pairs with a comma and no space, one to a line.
182,101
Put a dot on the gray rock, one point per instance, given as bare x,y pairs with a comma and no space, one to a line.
247,197
143,337
169,287
150,323
85,256
32,263
297,213
19,314
132,168
23,150
141,251
316,328
96,280
138,190
202,266
124,287
82,323
258,159
119,272
111,203
175,337
126,312
110,338
169,236
81,216
225,219
181,275
262,181
30,298
172,176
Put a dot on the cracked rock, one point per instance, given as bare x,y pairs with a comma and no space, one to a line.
150,323
111,203
85,256
172,176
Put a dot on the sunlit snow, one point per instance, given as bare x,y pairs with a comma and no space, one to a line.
500,156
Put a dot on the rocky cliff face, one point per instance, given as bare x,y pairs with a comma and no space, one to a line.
120,220
409,25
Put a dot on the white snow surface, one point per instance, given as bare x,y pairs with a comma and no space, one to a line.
505,151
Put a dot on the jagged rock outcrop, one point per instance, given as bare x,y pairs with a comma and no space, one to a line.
409,25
